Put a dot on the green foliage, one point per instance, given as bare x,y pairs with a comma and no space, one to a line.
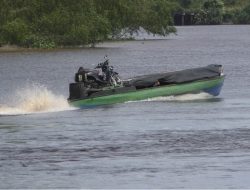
211,12
229,16
243,16
51,23
78,35
127,16
185,3
157,12
14,32
200,17
215,10
38,42
98,30
230,2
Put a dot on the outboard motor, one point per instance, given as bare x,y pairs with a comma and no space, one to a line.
77,91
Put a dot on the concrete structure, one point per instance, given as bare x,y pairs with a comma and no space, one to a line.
181,19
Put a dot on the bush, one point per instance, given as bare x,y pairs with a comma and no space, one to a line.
243,16
200,17
211,13
15,32
99,28
1,39
41,24
77,36
230,2
38,42
228,16
214,9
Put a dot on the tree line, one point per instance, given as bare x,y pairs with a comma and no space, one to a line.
53,23
217,11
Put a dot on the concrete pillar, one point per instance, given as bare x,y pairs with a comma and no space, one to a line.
183,19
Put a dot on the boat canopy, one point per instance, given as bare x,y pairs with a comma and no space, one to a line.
176,77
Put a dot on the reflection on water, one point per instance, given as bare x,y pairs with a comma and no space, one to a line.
190,141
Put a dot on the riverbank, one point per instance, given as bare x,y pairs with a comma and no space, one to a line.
142,37
12,48
16,48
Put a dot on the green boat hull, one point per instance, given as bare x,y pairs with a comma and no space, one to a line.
212,86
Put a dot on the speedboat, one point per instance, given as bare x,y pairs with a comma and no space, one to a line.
103,86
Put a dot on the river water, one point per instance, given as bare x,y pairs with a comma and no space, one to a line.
191,141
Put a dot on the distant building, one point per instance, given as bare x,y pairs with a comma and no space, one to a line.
181,19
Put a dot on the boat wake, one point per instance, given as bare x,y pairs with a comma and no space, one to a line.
179,98
34,98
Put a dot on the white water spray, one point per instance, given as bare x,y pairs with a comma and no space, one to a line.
179,98
184,97
34,98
